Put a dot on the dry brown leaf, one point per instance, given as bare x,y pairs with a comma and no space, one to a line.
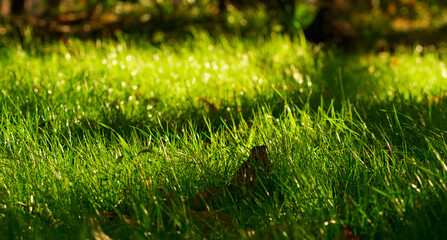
211,106
348,234
67,44
256,167
201,200
391,8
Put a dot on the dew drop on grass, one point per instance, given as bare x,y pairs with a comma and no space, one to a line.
416,188
298,77
419,49
206,77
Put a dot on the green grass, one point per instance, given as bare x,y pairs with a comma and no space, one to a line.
123,127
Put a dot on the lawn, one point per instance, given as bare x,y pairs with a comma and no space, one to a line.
117,139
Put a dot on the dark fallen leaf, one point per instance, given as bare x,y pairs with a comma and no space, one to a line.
249,123
153,100
141,96
65,40
201,207
257,167
348,234
211,106
68,45
145,151
45,125
168,197
109,216
206,200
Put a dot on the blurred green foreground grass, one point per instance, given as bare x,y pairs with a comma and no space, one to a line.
100,139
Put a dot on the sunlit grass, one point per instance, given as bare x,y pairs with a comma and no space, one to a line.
98,128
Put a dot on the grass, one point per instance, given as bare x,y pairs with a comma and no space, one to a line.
110,138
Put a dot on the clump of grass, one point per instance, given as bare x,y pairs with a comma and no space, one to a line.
115,139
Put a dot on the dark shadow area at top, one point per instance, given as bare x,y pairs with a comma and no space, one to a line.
346,24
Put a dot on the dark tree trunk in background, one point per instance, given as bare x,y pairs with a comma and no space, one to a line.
331,24
17,7
222,6
320,29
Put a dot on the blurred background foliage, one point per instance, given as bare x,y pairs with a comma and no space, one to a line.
343,22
